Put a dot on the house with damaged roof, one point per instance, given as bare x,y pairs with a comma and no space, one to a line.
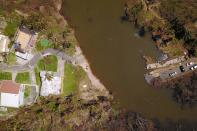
25,40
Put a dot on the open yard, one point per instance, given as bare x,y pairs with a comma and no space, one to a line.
48,63
43,44
11,58
72,76
5,76
23,78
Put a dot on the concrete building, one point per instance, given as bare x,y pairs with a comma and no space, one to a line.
4,41
11,94
51,83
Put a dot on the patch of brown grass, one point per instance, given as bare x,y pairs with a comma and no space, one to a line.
174,49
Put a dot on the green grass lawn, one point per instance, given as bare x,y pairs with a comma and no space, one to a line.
37,74
13,21
11,29
23,78
72,77
48,63
11,58
43,44
27,91
5,76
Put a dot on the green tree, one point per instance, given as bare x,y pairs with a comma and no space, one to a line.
35,22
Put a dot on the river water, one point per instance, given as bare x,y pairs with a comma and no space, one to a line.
115,56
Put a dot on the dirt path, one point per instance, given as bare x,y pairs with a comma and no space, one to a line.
14,73
32,77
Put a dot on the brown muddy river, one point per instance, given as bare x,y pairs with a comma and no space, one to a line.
115,56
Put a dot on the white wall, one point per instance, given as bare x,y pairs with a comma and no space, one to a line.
9,100
21,96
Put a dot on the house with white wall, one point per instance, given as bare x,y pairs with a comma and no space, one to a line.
51,83
11,94
4,41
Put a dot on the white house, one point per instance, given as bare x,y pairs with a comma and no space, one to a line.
4,41
24,56
51,83
11,94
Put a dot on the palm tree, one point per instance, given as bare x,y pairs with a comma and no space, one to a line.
48,76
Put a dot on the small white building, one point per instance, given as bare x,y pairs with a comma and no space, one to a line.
11,94
51,83
24,56
4,41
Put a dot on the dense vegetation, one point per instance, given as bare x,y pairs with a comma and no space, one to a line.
184,88
173,25
40,16
72,113
182,16
170,21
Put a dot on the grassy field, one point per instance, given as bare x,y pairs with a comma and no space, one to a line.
37,74
5,76
72,77
27,91
11,58
48,63
23,78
